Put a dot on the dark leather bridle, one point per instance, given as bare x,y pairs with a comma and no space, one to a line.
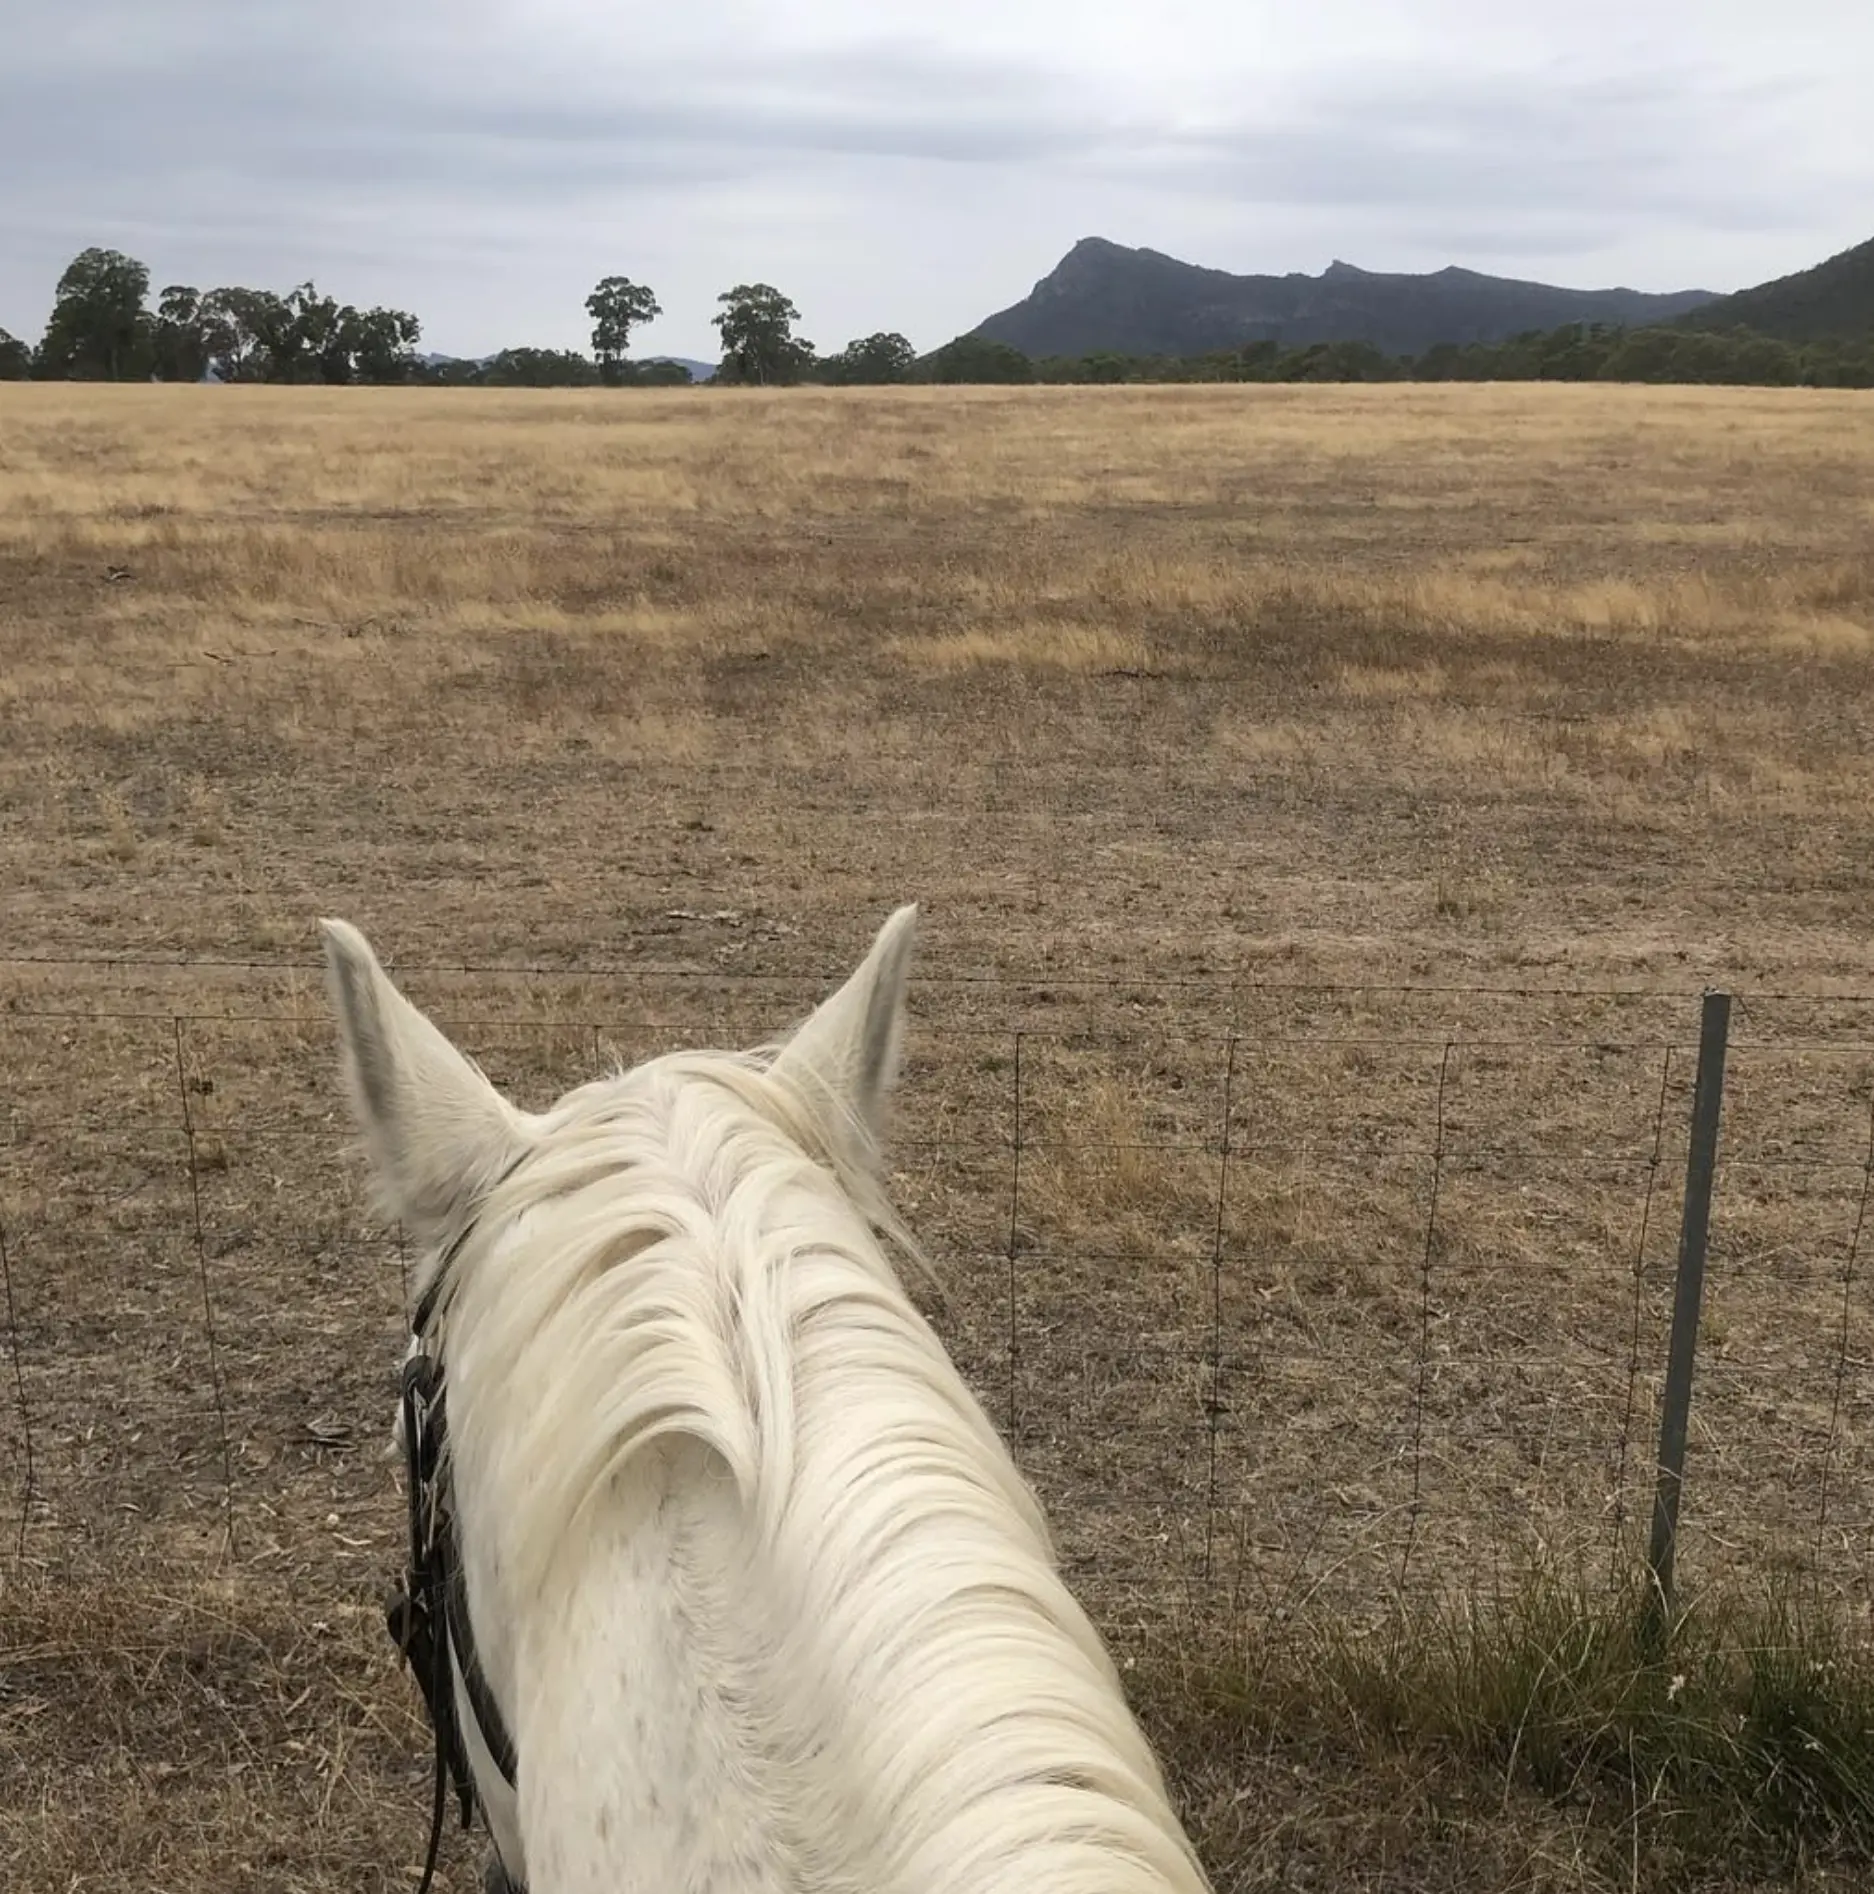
428,1614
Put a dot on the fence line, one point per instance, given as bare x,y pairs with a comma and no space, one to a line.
1193,1363
313,970
1068,1036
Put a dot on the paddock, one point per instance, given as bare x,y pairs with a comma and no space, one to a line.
1326,808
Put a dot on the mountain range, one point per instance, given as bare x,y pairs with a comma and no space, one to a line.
1104,296
1835,298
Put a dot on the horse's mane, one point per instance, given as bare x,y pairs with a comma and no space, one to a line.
684,1257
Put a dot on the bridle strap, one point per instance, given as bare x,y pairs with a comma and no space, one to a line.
487,1713
429,1619
415,1615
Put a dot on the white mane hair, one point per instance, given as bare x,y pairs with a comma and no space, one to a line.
762,1596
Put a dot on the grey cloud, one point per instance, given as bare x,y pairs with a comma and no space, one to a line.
270,141
283,105
1537,147
330,100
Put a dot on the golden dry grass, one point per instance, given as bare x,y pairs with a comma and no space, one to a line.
1192,715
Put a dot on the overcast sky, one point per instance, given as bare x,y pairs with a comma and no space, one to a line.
484,162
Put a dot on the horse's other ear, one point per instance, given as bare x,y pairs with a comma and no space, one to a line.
437,1132
844,1058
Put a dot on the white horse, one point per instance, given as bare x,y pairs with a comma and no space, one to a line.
757,1590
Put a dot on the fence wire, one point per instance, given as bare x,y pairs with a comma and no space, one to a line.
1320,1313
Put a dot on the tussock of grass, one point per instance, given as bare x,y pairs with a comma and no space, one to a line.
1744,1733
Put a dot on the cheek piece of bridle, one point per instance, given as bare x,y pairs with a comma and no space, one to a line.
428,1614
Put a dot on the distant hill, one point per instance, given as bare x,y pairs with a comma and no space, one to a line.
1835,298
1103,296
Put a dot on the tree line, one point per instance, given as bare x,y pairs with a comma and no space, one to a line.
102,328
1574,352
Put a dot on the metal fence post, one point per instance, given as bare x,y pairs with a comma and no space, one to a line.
1701,1165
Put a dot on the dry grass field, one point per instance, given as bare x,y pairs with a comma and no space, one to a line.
1327,805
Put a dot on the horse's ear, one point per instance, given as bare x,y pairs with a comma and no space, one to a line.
845,1056
437,1132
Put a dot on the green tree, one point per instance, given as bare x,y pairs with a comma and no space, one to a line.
379,345
539,368
99,330
1763,361
1655,354
1107,365
1443,361
1574,352
180,345
759,345
617,306
242,329
873,360
1336,361
1836,364
974,358
1257,360
16,359
449,372
309,345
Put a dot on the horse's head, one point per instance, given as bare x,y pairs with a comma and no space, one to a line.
441,1140
751,1591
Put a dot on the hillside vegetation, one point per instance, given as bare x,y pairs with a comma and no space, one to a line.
1834,299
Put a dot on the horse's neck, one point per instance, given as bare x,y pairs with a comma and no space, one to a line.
643,1757
875,1682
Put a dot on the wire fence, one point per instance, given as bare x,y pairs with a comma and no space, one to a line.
1285,1297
